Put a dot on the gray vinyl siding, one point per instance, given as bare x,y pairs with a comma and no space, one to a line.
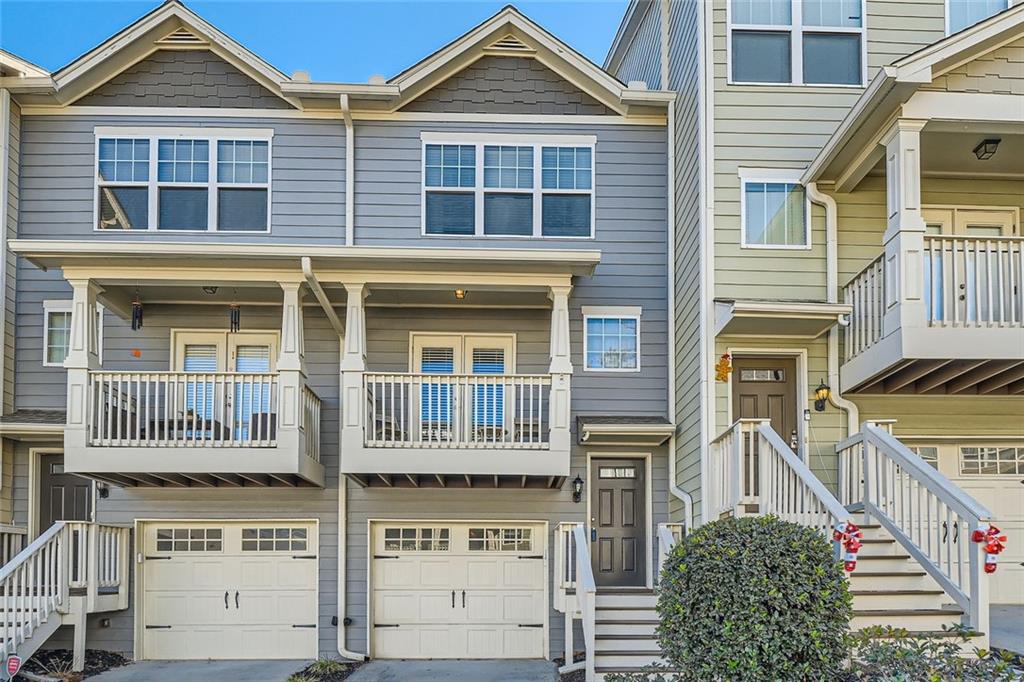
641,60
59,170
507,85
684,79
10,262
183,78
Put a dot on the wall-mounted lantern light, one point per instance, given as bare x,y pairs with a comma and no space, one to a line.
821,396
986,149
577,489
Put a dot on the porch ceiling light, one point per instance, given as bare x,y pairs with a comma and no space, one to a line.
210,290
460,294
986,149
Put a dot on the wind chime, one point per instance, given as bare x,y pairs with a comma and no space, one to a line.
234,314
136,312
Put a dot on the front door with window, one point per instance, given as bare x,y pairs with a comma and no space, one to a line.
618,527
765,388
62,497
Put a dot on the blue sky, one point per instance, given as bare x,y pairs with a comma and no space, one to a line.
335,40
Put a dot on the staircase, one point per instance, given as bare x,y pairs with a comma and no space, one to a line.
917,568
71,570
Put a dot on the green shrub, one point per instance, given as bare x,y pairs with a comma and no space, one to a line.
890,654
753,598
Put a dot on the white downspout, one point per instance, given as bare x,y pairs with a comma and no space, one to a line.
832,296
670,186
350,171
342,552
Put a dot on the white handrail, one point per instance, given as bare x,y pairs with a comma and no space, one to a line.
866,293
33,586
669,534
586,596
972,281
925,512
12,541
406,409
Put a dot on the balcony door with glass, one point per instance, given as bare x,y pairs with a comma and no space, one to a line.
233,395
471,406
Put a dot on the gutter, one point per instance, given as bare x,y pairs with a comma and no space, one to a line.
350,170
832,296
670,186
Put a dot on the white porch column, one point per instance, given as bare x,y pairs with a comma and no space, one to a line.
291,370
353,364
905,227
560,369
83,355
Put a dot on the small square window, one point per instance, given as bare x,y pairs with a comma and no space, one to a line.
774,214
612,343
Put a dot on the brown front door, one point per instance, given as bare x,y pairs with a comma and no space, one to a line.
617,521
765,388
62,497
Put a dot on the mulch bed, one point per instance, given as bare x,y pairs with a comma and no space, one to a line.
57,663
341,673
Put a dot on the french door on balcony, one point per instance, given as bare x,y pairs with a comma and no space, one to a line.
966,270
240,408
468,406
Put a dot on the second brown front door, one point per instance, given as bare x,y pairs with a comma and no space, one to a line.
618,510
62,497
765,388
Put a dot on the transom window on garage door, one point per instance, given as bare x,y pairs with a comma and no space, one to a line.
417,539
189,539
500,539
274,539
981,461
508,186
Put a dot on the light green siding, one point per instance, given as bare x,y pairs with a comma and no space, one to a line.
947,415
998,72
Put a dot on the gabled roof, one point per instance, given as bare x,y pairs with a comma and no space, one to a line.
894,84
171,25
507,33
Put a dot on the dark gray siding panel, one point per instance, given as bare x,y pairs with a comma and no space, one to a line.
507,85
307,176
183,78
642,58
10,262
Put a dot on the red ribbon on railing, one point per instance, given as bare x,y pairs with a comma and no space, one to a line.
994,541
850,535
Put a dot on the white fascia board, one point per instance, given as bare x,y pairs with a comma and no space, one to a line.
26,68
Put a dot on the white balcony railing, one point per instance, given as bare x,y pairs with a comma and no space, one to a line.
186,409
973,281
457,410
866,293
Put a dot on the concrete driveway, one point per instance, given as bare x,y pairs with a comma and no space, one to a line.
456,671
1007,624
221,671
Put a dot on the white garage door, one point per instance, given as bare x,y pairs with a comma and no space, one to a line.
455,590
230,590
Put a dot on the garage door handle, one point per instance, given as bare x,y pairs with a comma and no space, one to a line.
305,626
531,625
306,556
530,556
385,625
453,599
158,627
463,599
156,558
384,556
225,598
236,599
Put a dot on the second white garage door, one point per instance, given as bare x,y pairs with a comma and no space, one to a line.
459,590
229,590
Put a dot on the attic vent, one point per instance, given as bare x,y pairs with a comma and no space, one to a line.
509,44
181,36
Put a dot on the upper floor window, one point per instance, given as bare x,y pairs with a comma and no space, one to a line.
507,186
773,212
611,338
799,42
184,180
963,13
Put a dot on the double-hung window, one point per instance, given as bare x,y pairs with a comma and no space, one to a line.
508,186
183,180
611,338
963,13
773,208
799,42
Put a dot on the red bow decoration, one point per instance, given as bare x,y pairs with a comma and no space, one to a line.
850,535
994,540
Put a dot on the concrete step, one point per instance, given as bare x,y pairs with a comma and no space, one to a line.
636,600
625,613
910,619
882,599
626,642
619,626
626,659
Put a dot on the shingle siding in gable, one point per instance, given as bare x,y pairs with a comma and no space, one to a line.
171,78
507,85
998,72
